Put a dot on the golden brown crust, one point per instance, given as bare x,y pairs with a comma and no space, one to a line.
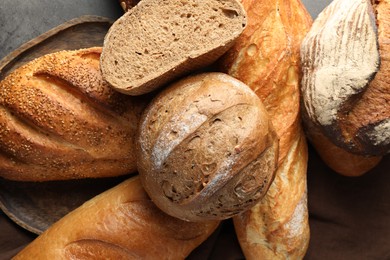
121,223
277,227
273,72
60,120
206,148
339,160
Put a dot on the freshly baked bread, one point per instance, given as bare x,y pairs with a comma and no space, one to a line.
158,41
60,120
128,4
346,82
338,159
206,148
121,223
276,227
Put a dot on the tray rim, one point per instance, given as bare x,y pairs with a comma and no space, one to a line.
46,35
6,60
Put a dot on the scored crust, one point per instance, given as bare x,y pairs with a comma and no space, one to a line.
206,148
346,68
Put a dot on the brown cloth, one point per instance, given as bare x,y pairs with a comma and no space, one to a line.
349,219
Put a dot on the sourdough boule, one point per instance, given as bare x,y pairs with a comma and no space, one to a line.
206,148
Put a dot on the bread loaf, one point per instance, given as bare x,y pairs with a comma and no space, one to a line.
157,41
127,4
60,120
346,83
121,223
338,159
206,148
266,58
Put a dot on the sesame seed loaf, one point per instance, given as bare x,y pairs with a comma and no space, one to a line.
60,120
158,41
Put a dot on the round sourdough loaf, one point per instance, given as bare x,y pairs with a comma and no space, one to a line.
60,120
206,148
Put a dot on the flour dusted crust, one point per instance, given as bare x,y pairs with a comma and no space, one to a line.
266,58
60,120
121,223
345,85
206,148
278,226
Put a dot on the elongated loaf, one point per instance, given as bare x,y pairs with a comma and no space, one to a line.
157,41
346,84
121,223
60,120
266,57
206,148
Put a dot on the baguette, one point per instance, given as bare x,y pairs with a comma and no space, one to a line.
266,57
158,41
121,223
346,84
60,120
206,149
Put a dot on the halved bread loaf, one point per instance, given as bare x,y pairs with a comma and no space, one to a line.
157,41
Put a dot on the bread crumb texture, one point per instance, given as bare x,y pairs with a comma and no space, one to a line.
156,41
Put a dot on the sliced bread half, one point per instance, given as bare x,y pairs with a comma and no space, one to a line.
160,40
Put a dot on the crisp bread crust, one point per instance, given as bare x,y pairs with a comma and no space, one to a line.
60,120
206,149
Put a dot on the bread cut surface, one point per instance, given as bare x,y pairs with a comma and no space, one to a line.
206,148
121,223
159,40
60,120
